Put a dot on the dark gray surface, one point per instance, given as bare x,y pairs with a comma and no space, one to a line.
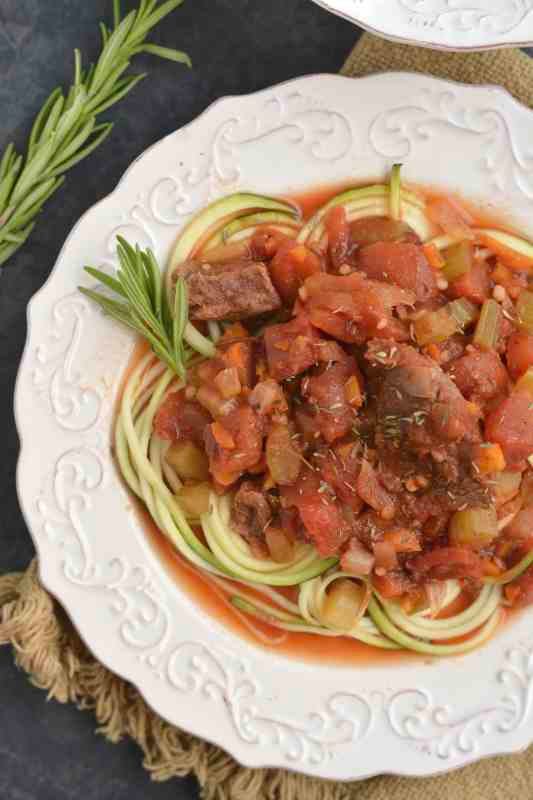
50,752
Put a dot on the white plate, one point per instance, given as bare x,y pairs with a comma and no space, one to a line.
413,718
442,24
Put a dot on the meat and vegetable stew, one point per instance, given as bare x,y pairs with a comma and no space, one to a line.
346,448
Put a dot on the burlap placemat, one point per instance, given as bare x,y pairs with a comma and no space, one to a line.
48,649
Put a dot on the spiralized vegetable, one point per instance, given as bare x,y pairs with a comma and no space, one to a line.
251,584
230,563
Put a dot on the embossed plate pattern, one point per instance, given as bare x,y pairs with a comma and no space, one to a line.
442,24
414,717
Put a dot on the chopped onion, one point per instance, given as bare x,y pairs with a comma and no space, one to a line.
280,545
194,499
505,485
282,458
211,399
436,593
226,253
474,527
433,327
228,383
357,560
267,396
344,605
188,460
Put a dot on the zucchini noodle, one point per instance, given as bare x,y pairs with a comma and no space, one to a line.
248,584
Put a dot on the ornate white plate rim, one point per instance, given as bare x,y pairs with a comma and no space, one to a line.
414,27
422,732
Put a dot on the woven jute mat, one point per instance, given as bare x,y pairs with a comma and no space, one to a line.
48,649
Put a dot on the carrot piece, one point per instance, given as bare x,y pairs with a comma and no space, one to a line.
489,458
490,568
352,392
433,256
222,436
433,352
236,355
235,331
509,257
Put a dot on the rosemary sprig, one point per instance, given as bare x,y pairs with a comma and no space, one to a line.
66,130
143,303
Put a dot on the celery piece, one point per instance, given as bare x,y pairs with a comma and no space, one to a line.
463,311
487,328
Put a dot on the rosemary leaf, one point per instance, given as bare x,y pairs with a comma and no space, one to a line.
143,303
66,129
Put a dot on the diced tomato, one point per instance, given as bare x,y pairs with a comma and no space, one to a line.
291,265
179,418
290,347
448,562
521,527
305,420
304,490
340,469
511,426
392,584
328,350
324,523
403,264
474,284
519,353
353,309
244,430
373,493
338,230
335,416
370,230
321,515
480,375
266,243
386,558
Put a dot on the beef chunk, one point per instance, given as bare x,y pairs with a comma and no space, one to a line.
251,511
231,291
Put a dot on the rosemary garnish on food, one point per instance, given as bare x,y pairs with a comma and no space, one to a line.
66,130
143,303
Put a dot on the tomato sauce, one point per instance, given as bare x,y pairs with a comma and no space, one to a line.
212,600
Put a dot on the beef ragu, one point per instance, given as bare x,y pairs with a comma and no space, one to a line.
356,419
